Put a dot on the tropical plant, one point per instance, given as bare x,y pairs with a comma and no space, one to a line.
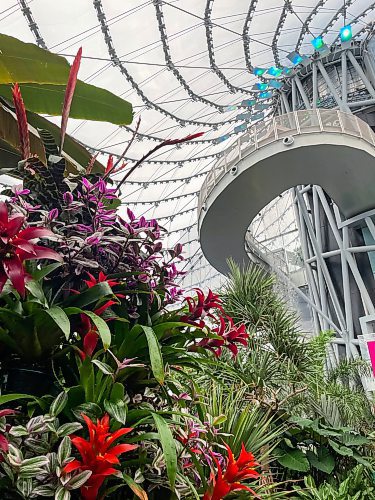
278,360
27,64
108,326
36,451
310,445
326,412
357,485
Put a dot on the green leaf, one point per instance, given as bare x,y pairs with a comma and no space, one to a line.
64,450
45,271
69,428
92,410
136,489
30,467
102,327
362,460
62,493
13,397
78,480
354,439
156,359
87,378
328,432
220,419
77,155
294,460
90,296
323,460
302,422
342,450
61,319
25,486
44,491
28,65
161,328
59,403
103,367
118,410
18,431
117,391
169,448
36,291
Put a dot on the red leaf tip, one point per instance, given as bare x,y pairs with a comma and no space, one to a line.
23,129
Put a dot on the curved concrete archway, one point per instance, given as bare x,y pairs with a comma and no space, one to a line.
342,164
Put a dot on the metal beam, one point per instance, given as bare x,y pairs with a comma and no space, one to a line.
341,105
362,75
302,92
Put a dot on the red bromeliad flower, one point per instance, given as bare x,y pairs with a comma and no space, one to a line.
4,443
100,279
236,471
98,454
18,245
90,341
242,468
199,308
235,335
229,334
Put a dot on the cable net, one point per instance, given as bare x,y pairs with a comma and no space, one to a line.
186,66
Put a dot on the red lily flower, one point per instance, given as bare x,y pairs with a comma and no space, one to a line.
23,128
219,487
98,454
18,245
111,168
236,471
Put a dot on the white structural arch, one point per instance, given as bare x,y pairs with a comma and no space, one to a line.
328,148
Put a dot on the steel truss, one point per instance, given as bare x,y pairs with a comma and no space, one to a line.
336,252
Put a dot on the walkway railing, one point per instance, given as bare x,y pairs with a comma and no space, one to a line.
288,125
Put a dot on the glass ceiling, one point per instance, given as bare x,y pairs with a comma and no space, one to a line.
186,66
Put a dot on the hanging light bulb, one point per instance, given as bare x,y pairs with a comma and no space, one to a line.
258,71
346,33
274,71
318,43
260,86
295,58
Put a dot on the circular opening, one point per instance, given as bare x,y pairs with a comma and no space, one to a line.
287,141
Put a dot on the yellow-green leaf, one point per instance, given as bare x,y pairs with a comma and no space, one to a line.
136,489
43,77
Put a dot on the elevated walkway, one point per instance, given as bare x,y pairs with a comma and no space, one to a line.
329,148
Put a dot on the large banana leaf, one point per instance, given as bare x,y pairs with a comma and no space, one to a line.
43,76
74,153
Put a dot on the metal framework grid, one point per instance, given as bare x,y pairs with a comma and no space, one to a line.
336,261
287,10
